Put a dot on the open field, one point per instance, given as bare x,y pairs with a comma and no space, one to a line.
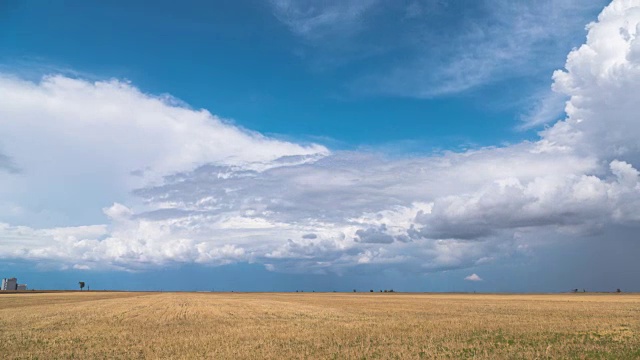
318,326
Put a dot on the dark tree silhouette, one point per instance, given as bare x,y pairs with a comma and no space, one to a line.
81,283
370,290
618,291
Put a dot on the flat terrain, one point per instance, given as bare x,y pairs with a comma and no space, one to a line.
318,326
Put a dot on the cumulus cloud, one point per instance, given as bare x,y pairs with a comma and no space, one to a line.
545,201
473,277
207,192
374,235
601,81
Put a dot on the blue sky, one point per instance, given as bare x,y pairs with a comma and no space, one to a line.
324,145
238,60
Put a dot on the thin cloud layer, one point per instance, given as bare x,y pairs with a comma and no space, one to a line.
191,188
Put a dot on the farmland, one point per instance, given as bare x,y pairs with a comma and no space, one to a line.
123,325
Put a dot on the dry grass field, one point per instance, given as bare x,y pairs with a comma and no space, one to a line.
96,325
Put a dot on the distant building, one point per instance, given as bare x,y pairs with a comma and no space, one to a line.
21,287
9,284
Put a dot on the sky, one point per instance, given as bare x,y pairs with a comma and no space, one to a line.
280,145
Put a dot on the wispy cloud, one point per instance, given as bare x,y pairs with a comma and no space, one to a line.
545,107
323,20
446,48
512,39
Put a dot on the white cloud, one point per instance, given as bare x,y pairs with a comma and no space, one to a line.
601,79
115,119
473,277
117,212
241,197
551,200
69,137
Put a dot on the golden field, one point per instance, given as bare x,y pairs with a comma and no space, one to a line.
112,325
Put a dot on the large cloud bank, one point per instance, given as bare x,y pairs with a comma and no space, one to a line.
179,186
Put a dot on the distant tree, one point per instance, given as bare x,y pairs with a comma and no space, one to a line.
81,283
391,290
385,290
575,290
618,290
583,290
354,290
371,290
380,290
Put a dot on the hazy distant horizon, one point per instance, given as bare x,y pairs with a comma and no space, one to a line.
421,146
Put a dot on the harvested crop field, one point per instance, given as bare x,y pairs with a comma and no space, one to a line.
73,325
